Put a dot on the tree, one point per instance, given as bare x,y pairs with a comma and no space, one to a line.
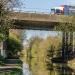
67,28
1,37
5,22
14,46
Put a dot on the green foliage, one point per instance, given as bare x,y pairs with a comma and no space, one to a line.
40,53
5,22
50,52
1,37
2,60
14,71
33,51
67,25
14,46
4,19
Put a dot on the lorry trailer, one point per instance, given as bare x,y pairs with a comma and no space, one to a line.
64,10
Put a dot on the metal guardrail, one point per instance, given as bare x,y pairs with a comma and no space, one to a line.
32,10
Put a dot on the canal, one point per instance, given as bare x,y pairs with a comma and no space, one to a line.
40,47
54,69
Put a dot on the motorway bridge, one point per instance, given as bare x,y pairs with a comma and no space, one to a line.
40,22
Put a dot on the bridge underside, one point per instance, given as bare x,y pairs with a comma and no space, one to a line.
34,25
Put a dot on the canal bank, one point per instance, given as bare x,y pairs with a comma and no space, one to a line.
10,70
71,64
11,67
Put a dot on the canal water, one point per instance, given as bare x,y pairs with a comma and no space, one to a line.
37,60
26,70
53,69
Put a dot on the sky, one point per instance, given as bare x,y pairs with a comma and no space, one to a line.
42,6
43,34
40,33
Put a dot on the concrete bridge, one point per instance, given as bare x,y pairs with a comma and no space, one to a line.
37,21
40,22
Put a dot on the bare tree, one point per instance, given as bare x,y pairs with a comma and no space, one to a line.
5,7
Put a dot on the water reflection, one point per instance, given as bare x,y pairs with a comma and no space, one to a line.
39,54
60,69
54,69
11,71
26,69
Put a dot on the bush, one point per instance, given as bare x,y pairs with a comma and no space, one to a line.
2,60
2,37
14,46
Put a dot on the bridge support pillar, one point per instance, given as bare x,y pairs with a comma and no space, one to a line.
5,43
67,45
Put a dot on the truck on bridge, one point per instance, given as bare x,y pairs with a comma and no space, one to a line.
63,10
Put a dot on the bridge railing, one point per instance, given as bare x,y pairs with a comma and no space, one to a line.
32,10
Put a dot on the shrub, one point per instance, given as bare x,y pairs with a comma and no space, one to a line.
2,60
14,46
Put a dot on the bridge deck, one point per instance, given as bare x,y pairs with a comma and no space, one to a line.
38,21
